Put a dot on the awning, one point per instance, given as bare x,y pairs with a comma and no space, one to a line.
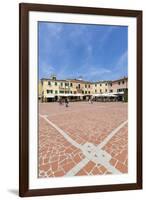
120,92
69,95
97,95
112,95
78,95
50,96
64,95
104,95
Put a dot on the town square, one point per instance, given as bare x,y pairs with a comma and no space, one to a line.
82,100
83,139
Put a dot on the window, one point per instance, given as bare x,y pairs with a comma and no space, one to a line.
82,92
123,82
55,83
100,91
121,90
79,86
88,92
85,86
61,84
119,83
56,91
71,92
111,84
111,90
66,84
100,84
88,86
49,91
85,92
106,84
74,92
95,91
70,84
95,85
49,83
105,90
61,91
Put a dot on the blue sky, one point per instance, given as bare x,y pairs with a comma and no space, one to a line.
95,52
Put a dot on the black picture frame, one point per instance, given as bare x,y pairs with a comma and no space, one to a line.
24,9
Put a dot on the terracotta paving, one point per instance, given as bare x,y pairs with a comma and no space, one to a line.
83,123
56,155
118,148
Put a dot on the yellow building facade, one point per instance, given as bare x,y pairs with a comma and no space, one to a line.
75,89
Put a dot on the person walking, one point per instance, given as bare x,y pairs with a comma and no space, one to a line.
66,102
60,101
92,100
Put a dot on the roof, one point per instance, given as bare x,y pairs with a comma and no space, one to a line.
81,81
121,79
67,80
84,81
49,79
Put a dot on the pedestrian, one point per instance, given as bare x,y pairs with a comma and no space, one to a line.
91,101
60,101
66,102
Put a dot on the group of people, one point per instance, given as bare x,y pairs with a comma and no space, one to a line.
66,101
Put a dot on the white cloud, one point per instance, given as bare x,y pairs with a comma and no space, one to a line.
95,72
120,68
46,70
107,33
122,59
54,30
78,30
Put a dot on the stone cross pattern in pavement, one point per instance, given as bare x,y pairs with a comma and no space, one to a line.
92,152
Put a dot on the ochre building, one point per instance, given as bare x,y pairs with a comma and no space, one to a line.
52,89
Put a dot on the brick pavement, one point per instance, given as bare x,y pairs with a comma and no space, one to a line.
83,122
56,155
118,148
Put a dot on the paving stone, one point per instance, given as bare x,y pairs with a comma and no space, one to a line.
121,167
83,123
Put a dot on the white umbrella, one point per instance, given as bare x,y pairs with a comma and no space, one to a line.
116,93
97,95
112,95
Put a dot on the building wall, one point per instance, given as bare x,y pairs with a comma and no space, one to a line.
119,85
40,89
56,87
50,89
100,87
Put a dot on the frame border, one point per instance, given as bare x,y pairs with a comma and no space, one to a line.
24,9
